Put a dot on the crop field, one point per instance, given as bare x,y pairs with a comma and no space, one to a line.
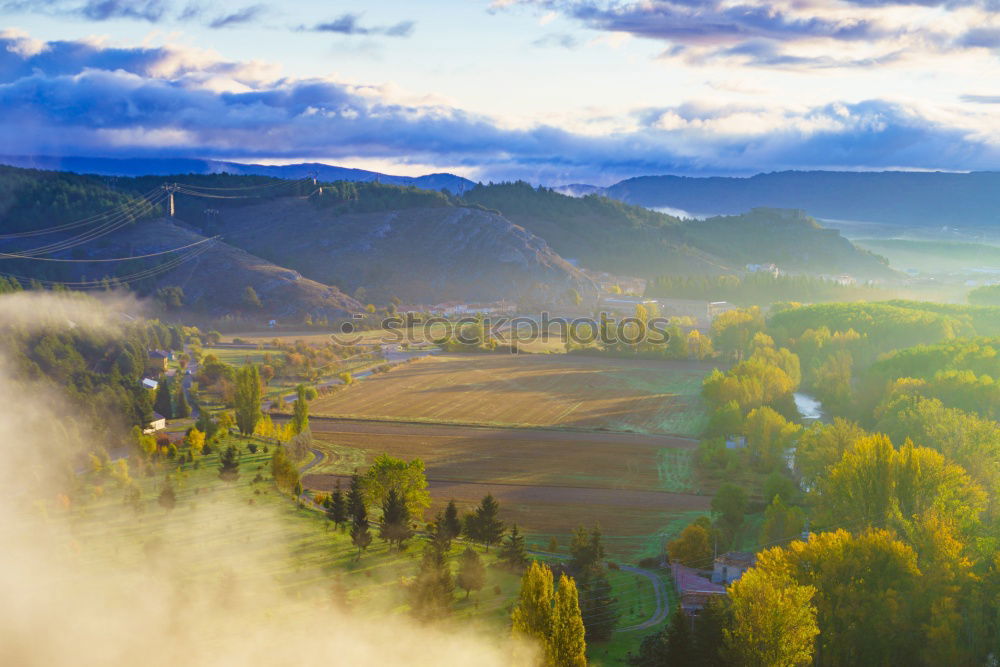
548,481
549,390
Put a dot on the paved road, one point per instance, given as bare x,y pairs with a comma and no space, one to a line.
318,457
662,606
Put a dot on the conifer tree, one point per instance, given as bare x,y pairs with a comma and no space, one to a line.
361,536
337,510
433,590
229,464
164,402
395,527
355,497
181,407
484,524
450,523
512,550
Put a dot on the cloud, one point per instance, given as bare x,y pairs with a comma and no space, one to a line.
81,98
802,34
94,10
559,39
350,24
239,17
152,11
981,99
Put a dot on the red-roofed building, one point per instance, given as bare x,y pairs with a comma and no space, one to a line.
694,587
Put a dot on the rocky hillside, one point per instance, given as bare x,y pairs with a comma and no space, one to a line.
214,282
420,254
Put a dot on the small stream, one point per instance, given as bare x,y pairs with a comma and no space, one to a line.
809,407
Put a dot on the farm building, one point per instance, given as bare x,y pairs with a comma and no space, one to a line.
694,588
730,566
157,360
149,383
158,423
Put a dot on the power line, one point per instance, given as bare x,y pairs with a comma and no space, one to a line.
4,255
81,222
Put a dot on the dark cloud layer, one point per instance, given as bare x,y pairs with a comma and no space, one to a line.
66,98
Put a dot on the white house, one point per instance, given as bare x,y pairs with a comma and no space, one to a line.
149,383
158,423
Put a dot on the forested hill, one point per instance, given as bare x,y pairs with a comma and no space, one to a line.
608,235
905,198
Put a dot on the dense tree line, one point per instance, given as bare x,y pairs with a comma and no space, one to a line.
759,289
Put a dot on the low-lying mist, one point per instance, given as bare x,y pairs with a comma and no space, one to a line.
146,602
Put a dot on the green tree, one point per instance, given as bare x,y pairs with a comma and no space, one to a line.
167,498
337,511
730,501
587,551
599,608
532,614
568,644
450,523
484,524
692,547
773,622
471,571
229,464
300,410
513,552
250,299
395,527
181,409
284,471
355,498
164,402
248,396
406,477
433,591
781,522
361,535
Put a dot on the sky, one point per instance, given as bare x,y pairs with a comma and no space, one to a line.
549,91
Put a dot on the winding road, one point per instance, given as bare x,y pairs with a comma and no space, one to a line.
659,590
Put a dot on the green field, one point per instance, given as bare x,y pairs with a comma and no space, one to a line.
245,534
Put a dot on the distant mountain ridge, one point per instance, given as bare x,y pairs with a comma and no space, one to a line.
895,197
102,166
919,199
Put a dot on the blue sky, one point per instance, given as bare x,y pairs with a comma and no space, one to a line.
553,91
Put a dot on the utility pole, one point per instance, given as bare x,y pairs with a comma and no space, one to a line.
170,188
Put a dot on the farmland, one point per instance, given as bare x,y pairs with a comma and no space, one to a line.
246,541
563,391
548,481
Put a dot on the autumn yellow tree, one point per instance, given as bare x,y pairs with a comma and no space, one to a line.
772,621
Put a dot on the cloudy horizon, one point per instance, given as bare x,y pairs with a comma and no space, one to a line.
553,91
